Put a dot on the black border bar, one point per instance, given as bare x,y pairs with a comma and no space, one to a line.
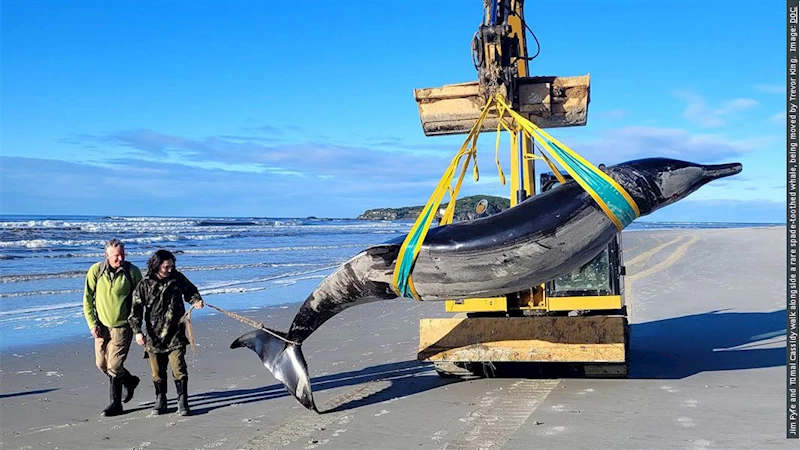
792,11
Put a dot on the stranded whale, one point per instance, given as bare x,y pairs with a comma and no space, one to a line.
544,237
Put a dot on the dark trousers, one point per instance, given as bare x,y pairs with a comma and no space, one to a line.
176,359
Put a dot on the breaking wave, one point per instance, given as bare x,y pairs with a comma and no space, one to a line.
82,273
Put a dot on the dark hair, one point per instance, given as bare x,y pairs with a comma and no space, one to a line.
155,261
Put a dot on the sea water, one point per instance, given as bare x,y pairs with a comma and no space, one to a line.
237,263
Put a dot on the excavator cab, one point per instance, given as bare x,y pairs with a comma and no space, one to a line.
598,278
578,318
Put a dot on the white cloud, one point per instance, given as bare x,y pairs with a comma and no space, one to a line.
771,88
627,143
167,188
241,154
174,189
358,175
779,118
700,112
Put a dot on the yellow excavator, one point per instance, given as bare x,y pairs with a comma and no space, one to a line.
579,318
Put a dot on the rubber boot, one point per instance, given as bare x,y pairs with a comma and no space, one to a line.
115,394
183,399
160,406
129,384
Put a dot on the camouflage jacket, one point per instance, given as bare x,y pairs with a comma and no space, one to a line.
160,302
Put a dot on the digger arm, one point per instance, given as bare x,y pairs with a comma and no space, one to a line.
500,55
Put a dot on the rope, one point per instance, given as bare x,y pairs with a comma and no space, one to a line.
187,319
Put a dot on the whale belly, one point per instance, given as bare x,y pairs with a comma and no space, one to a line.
519,263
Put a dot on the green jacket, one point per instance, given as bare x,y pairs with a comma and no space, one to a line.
108,293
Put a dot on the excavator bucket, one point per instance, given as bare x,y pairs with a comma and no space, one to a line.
549,102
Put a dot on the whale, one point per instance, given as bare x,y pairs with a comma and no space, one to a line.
544,237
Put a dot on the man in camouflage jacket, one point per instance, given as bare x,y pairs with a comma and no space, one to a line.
159,300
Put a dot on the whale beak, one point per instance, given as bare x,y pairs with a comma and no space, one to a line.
716,171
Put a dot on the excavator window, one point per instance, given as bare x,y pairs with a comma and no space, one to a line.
601,276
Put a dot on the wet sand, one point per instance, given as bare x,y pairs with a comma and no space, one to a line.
707,371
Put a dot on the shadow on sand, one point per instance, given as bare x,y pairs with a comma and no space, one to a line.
20,394
663,349
679,347
398,380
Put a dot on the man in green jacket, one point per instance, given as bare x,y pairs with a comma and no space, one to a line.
107,301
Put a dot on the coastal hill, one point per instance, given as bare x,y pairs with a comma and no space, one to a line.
465,209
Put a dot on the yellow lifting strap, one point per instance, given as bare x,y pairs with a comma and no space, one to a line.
550,164
609,195
402,282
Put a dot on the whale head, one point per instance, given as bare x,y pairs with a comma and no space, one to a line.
654,183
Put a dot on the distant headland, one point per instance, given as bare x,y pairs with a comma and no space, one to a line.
465,209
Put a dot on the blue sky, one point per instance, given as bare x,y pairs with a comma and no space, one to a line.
292,109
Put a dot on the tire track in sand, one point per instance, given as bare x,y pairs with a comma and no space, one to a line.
501,414
669,261
645,256
674,257
309,423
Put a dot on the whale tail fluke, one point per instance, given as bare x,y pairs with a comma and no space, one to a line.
285,360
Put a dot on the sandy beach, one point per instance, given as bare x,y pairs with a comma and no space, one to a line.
707,372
